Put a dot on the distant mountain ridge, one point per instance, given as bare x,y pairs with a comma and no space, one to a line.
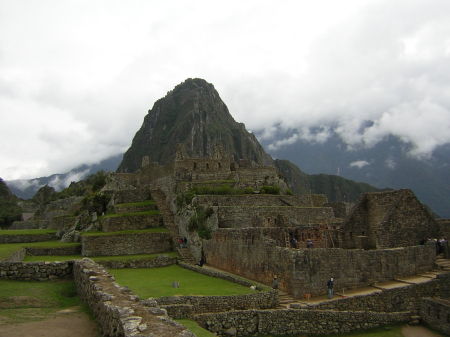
27,188
387,164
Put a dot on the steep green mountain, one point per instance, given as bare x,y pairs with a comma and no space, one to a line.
194,115
9,209
334,187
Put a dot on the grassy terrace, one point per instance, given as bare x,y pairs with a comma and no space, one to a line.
98,258
8,248
27,231
117,215
150,230
137,204
157,282
195,328
22,301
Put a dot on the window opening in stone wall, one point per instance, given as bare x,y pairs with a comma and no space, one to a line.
363,233
438,314
195,166
448,318
429,311
207,166
219,165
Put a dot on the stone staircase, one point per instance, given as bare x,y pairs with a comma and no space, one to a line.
442,263
186,256
285,300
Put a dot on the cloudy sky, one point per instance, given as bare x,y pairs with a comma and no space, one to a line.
77,77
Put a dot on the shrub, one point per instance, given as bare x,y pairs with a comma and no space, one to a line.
270,190
197,222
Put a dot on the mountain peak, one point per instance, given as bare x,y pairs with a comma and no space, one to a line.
192,114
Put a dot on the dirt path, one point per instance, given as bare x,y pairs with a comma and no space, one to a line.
65,323
418,331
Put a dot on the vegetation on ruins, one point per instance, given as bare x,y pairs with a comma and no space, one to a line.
138,231
157,282
197,222
195,328
118,215
9,209
121,258
9,248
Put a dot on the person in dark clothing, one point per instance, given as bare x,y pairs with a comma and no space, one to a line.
275,282
330,286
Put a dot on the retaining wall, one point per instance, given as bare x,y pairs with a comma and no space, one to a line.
17,256
406,298
435,312
25,238
35,271
303,271
295,322
200,304
130,222
70,250
126,244
276,216
159,261
309,200
118,312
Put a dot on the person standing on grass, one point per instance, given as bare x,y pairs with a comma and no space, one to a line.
330,285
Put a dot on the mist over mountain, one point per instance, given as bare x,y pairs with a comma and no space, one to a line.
27,188
387,164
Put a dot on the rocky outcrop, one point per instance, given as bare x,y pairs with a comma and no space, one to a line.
194,115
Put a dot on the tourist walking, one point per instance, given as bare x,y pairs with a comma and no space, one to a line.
330,285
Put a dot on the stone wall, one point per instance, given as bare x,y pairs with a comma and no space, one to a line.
61,222
35,271
202,304
303,271
57,251
310,200
29,224
295,322
406,298
25,238
389,219
277,216
130,222
119,312
435,312
159,261
127,244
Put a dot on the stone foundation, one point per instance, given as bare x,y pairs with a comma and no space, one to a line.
310,200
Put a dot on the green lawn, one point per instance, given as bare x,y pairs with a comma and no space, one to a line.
150,230
98,258
195,328
22,301
118,215
157,282
137,204
7,249
26,231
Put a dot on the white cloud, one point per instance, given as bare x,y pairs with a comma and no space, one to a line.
390,163
359,163
77,77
